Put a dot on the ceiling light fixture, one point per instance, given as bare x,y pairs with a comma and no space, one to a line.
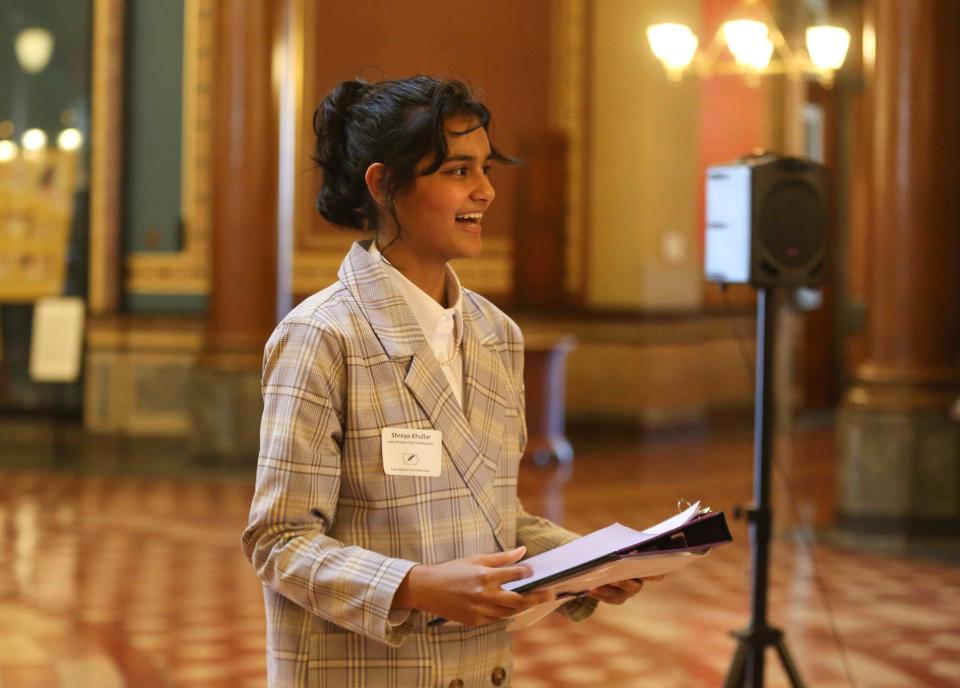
749,44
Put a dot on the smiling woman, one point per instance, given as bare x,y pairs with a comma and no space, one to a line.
366,541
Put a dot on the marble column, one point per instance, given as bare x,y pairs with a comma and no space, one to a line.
242,302
900,448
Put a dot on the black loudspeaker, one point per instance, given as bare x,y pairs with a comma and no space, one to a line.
766,222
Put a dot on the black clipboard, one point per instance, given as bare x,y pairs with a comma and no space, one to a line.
697,535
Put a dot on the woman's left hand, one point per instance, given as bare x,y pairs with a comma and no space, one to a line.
620,592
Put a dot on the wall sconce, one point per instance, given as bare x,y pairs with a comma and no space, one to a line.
33,47
756,46
33,143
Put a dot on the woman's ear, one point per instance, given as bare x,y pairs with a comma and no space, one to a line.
374,178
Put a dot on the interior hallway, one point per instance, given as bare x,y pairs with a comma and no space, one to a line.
112,579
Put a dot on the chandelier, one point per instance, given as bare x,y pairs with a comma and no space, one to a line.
749,44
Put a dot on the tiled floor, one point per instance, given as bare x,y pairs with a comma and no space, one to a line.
109,581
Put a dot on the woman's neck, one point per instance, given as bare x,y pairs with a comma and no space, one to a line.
429,277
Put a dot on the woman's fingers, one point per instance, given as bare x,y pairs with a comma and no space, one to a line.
631,585
498,559
516,602
506,574
619,592
610,594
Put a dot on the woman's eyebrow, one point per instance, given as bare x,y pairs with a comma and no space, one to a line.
465,158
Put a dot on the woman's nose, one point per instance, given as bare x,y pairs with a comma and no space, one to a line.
484,190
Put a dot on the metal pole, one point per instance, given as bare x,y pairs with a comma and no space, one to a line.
762,446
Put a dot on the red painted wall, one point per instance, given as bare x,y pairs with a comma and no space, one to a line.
734,117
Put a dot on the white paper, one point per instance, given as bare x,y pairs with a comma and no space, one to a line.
641,566
597,544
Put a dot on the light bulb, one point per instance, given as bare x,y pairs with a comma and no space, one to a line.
827,46
748,40
34,140
673,44
8,150
70,139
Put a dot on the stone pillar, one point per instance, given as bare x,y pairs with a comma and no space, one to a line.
242,301
900,448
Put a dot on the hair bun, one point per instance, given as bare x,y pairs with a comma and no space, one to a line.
341,198
332,115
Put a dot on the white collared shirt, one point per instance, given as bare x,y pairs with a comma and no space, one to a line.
442,327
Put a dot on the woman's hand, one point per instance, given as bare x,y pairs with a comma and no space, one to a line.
468,590
620,592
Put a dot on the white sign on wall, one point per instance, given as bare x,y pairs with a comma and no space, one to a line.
56,344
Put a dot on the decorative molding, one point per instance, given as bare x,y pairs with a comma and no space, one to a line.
188,271
569,114
317,254
167,273
105,156
138,393
138,375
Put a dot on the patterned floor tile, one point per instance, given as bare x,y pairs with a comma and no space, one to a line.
140,582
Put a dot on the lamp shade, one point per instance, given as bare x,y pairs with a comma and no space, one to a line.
673,44
749,42
827,46
33,47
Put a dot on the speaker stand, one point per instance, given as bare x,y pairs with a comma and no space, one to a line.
746,669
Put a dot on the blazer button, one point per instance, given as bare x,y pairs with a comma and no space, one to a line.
498,676
456,683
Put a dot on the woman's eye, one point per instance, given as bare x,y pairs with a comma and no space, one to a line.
461,171
487,168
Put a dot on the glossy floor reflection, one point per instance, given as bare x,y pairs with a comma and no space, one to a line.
126,580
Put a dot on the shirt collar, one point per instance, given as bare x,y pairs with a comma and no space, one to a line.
434,319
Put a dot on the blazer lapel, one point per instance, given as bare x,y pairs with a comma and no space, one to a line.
382,305
487,391
430,388
396,328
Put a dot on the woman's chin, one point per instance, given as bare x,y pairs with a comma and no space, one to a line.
472,247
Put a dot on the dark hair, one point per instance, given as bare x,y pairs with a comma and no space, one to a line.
396,123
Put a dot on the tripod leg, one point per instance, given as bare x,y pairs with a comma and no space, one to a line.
735,672
788,664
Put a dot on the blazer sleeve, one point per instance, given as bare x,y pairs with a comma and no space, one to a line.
298,481
539,534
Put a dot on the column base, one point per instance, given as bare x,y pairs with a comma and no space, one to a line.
899,478
226,417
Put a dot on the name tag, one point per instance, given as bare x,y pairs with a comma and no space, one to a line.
409,451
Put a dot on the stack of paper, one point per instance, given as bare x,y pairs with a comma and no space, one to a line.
617,553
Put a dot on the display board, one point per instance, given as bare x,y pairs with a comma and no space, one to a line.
36,211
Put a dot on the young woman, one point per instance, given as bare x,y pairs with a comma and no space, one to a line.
393,420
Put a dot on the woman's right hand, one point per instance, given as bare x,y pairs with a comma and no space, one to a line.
468,590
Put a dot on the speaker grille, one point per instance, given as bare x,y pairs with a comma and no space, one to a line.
792,222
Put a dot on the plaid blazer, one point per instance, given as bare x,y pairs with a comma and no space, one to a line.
332,536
